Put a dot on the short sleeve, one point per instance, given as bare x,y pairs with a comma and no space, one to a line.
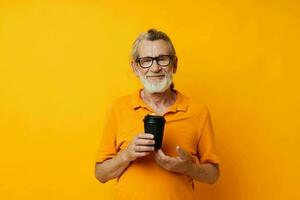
206,144
107,144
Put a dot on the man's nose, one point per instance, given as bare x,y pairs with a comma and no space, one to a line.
155,67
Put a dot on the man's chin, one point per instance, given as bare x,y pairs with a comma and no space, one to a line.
154,90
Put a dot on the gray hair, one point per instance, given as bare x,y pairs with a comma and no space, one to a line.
152,35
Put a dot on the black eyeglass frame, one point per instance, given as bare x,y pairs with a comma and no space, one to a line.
171,58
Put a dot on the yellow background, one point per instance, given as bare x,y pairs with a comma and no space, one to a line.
62,62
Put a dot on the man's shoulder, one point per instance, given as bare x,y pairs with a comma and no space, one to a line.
123,100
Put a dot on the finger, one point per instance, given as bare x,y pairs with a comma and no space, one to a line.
161,153
143,148
146,136
182,154
156,154
158,157
143,142
163,157
141,154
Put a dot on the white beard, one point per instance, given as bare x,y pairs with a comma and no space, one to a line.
158,86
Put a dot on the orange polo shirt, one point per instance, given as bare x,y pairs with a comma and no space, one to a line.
188,124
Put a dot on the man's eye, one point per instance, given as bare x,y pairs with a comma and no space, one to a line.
163,58
145,60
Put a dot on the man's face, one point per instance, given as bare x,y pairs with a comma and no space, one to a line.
156,78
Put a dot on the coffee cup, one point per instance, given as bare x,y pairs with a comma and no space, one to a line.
154,124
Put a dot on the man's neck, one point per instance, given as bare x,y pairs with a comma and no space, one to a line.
164,99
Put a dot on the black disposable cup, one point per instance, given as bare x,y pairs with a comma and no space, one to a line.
154,124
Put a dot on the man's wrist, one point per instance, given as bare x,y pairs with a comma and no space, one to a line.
124,156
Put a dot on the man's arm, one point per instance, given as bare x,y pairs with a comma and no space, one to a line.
206,172
112,168
140,146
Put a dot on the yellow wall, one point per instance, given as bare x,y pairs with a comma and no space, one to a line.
61,63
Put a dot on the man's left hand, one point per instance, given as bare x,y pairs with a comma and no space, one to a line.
179,164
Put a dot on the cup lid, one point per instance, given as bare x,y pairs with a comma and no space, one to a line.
154,119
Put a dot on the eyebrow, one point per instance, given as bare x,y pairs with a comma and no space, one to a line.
154,56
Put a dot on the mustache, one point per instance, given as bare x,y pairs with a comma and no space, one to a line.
154,75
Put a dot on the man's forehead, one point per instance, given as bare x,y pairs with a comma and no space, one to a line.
154,48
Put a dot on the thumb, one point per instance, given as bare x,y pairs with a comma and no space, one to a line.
161,153
181,152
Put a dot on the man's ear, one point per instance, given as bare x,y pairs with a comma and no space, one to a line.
134,68
175,64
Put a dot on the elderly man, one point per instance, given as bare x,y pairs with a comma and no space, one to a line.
127,154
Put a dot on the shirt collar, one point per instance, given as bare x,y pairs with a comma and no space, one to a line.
181,103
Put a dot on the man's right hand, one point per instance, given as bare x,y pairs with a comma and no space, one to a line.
141,145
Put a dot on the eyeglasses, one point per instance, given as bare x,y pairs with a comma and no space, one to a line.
162,60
